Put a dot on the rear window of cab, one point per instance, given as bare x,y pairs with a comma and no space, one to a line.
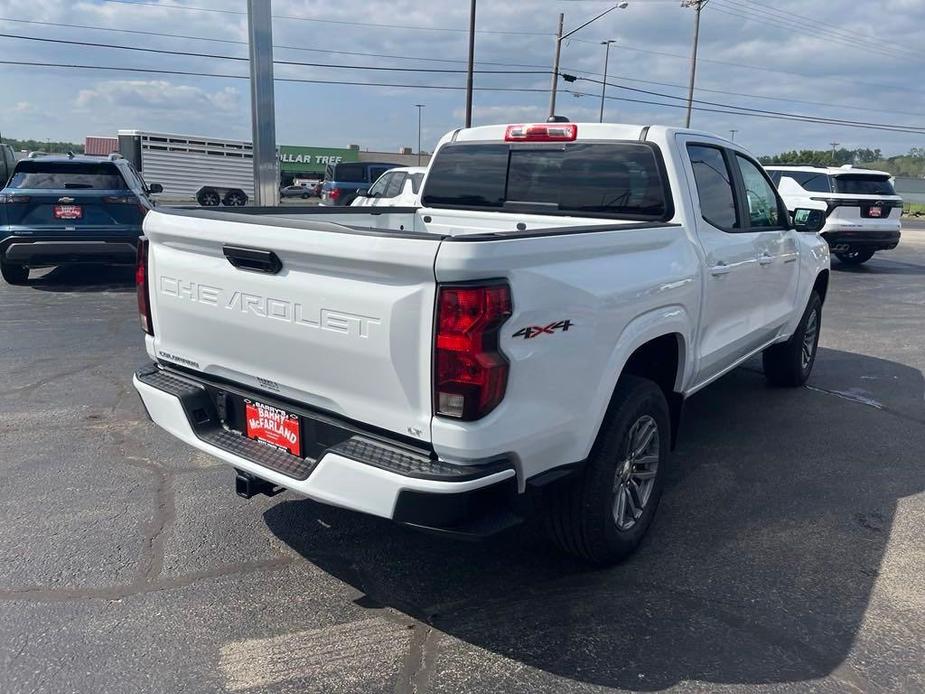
622,180
38,175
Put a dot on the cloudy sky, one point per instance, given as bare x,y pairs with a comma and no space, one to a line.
851,60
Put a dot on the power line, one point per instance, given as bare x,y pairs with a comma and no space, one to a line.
728,110
818,33
761,96
275,45
759,68
162,51
730,113
499,64
782,114
826,29
411,27
190,73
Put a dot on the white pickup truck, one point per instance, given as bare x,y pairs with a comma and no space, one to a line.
524,341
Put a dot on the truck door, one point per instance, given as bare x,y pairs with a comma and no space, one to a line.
733,322
776,243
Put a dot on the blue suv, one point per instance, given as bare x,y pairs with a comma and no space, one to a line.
57,210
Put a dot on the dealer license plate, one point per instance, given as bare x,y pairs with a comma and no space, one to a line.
273,425
68,212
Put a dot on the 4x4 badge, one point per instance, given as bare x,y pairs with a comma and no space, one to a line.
532,331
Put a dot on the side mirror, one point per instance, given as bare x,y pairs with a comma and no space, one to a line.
808,220
363,193
155,188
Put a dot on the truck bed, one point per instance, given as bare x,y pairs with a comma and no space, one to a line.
413,222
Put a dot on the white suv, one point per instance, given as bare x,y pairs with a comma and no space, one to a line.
398,187
862,209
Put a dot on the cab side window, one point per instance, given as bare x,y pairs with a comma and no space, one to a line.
395,185
813,182
763,207
714,186
380,186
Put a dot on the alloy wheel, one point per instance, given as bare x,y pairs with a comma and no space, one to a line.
809,338
634,478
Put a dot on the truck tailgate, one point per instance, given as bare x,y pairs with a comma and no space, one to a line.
345,324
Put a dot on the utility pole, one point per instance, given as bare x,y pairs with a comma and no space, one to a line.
732,134
560,37
469,70
555,67
834,146
419,107
698,7
263,112
604,83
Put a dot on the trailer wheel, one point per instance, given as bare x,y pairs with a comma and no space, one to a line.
208,197
235,198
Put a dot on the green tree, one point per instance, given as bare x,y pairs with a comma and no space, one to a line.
47,146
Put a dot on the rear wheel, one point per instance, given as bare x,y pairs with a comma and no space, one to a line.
602,515
235,198
208,198
14,273
855,257
790,363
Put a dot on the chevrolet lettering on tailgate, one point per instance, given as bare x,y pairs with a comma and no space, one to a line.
268,307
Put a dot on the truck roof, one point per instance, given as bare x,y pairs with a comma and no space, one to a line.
181,136
586,131
66,159
830,170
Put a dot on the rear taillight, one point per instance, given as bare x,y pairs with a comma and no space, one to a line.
542,132
14,199
141,286
334,193
470,372
126,200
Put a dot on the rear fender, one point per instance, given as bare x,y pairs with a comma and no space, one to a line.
646,327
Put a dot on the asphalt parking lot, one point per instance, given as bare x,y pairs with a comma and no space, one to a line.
788,553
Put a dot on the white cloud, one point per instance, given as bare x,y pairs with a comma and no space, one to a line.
23,107
653,43
156,94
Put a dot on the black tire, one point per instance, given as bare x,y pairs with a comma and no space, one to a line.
14,273
207,197
235,198
581,513
789,364
855,257
306,196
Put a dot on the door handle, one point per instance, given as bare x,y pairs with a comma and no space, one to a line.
765,259
253,259
720,269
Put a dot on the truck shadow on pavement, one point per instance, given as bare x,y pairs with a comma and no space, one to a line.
85,278
759,568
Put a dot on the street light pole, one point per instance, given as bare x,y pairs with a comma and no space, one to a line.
560,37
604,83
263,113
470,68
698,6
419,108
732,134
